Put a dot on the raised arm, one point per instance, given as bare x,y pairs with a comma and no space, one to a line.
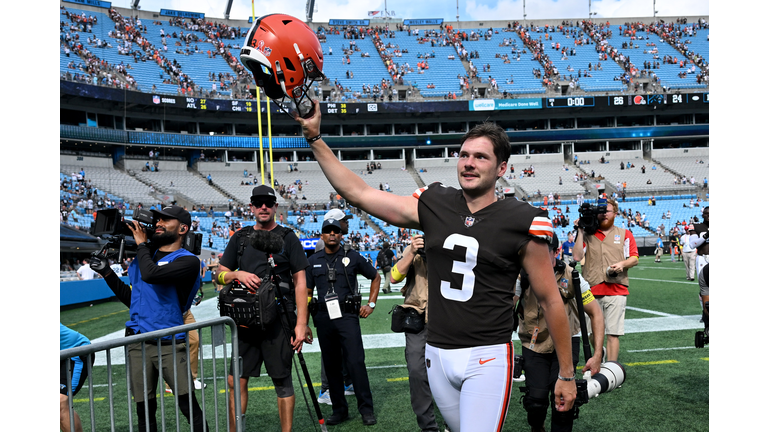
400,211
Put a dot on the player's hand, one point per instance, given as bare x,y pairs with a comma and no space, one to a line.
310,127
300,333
250,280
365,311
565,395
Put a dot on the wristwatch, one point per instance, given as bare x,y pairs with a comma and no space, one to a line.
371,305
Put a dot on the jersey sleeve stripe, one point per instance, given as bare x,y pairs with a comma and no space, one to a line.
541,227
419,191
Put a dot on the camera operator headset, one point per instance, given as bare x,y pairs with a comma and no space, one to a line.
164,280
539,358
336,313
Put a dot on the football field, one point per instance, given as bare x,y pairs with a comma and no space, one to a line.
666,386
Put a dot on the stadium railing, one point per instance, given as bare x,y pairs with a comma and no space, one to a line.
218,338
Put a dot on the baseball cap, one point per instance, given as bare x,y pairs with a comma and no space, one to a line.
263,191
329,223
174,212
690,228
337,214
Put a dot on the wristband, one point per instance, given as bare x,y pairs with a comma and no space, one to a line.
560,377
220,278
311,140
396,275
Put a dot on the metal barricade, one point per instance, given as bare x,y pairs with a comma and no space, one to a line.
218,338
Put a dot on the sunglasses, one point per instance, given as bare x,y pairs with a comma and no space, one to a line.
331,230
258,204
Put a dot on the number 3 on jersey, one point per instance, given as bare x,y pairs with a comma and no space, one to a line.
464,268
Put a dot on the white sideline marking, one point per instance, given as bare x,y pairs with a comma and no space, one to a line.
661,349
666,281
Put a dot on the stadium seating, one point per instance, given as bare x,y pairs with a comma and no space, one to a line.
443,72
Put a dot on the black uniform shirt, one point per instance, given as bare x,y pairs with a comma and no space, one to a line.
346,283
473,263
290,260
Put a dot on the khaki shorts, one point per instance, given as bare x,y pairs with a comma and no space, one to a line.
614,308
151,362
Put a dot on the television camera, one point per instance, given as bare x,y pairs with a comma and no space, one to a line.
110,225
588,215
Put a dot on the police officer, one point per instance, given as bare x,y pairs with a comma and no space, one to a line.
539,358
271,346
337,316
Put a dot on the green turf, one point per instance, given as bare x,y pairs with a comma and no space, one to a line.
666,388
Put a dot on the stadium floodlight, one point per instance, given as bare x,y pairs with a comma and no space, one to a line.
135,4
229,8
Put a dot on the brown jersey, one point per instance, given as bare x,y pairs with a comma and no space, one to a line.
473,260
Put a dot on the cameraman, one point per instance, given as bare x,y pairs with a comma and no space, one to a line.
271,346
609,253
164,280
700,240
413,268
337,316
539,358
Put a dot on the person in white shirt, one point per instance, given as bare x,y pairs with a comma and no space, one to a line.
85,272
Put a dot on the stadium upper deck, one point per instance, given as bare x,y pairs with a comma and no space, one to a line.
134,49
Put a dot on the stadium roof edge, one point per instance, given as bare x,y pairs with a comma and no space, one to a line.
155,15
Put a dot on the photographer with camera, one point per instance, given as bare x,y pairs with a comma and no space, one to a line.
413,268
700,240
164,280
243,262
539,358
609,252
336,313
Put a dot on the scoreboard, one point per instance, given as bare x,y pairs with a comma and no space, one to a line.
684,101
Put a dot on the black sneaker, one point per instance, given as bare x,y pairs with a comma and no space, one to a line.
336,418
369,419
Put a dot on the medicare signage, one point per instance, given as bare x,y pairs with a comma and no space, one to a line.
504,104
435,21
181,14
94,3
335,22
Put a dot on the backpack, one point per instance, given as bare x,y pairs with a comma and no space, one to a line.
384,261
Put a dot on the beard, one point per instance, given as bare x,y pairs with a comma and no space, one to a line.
606,224
164,238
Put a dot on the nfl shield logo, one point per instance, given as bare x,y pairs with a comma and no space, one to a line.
469,221
564,283
267,51
155,99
